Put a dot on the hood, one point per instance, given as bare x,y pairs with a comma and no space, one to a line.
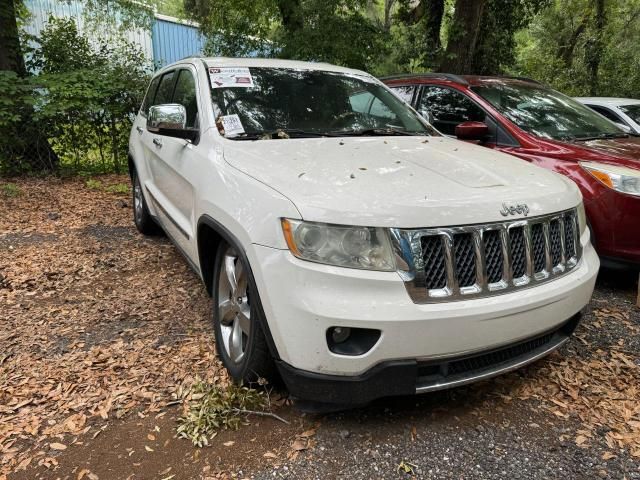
407,182
622,151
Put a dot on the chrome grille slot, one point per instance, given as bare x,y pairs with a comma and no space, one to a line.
555,242
435,271
493,255
518,252
538,245
570,235
465,258
454,263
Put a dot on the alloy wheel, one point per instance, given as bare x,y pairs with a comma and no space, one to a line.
234,310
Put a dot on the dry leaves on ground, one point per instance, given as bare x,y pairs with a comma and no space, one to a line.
97,320
597,384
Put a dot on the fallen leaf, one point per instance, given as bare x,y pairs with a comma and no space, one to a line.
57,446
300,444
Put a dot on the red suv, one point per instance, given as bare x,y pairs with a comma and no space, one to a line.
528,120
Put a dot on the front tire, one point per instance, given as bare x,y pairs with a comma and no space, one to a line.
238,319
141,216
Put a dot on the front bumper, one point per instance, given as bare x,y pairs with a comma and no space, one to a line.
302,300
407,377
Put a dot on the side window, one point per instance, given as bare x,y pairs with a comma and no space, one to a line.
185,94
607,113
148,99
165,89
379,109
369,105
404,92
449,108
360,101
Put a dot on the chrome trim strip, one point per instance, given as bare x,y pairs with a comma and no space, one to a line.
488,373
407,246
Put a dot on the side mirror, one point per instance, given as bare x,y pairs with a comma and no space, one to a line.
472,131
170,120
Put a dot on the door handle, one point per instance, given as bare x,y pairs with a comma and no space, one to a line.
140,130
157,142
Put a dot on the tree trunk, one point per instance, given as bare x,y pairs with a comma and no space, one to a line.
434,23
596,46
388,5
463,37
292,20
10,53
565,52
28,147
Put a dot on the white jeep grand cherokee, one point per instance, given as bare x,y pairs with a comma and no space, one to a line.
347,245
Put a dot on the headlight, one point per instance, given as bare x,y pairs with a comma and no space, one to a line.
342,246
582,218
621,179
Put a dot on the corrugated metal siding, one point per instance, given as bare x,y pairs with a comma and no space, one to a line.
173,41
41,10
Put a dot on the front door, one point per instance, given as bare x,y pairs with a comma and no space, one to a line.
172,162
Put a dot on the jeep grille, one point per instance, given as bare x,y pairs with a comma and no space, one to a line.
454,263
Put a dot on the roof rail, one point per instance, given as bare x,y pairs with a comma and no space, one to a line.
524,79
446,76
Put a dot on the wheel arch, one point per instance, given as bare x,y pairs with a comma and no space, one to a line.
131,165
210,234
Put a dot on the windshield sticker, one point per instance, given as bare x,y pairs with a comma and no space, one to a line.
232,125
223,77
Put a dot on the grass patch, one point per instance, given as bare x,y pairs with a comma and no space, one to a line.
10,190
93,184
117,188
210,408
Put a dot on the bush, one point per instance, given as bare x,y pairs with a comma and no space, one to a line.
80,98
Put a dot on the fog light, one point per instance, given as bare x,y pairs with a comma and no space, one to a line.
351,340
340,334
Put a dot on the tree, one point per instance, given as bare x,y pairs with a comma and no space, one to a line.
583,47
427,15
10,52
336,31
463,36
23,145
595,45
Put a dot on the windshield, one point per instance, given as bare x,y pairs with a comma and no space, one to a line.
633,111
547,113
283,103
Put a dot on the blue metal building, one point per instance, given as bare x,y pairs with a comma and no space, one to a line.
169,39
173,40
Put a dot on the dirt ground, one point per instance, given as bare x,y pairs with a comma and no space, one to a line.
100,328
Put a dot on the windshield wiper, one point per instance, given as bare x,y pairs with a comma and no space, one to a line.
281,133
601,136
386,131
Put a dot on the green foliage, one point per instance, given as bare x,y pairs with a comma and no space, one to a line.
93,184
559,45
81,101
211,408
496,48
336,31
120,188
10,190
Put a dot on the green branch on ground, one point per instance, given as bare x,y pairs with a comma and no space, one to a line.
210,408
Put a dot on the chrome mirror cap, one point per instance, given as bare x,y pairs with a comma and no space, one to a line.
169,116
